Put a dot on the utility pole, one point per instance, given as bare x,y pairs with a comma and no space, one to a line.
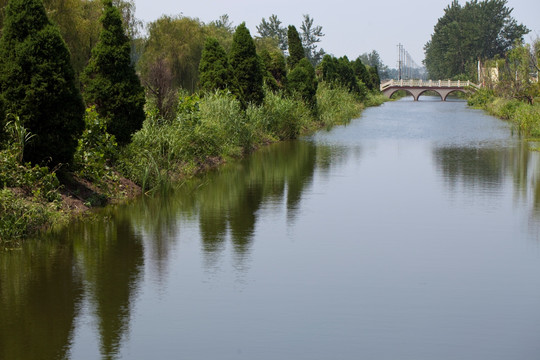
400,60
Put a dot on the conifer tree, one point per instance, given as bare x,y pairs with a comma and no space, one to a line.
303,82
296,51
214,68
37,83
109,80
246,68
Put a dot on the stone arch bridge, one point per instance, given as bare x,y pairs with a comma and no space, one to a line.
418,87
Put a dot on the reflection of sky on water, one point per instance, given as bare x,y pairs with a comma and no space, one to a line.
405,230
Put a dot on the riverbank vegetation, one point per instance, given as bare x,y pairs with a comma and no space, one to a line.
184,98
480,40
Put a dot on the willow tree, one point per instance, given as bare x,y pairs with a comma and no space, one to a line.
109,80
37,83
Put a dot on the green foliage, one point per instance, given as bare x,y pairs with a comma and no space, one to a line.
110,82
374,78
276,69
303,82
37,82
311,35
36,181
336,104
247,68
214,68
20,217
273,29
341,72
479,30
178,43
280,117
296,51
96,147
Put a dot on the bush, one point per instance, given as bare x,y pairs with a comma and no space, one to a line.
96,147
20,218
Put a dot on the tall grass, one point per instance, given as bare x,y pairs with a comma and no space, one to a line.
526,117
336,105
213,127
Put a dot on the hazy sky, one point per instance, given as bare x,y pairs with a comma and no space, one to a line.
350,27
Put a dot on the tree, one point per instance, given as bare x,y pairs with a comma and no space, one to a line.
303,82
361,72
276,69
214,68
247,69
179,41
296,51
37,83
373,59
109,80
273,29
479,30
311,35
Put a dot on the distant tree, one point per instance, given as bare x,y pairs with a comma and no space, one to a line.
37,83
342,72
374,77
179,41
109,80
373,59
296,51
273,29
311,35
303,82
361,72
247,71
276,69
214,68
479,30
224,22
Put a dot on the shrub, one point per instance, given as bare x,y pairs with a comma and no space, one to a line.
96,147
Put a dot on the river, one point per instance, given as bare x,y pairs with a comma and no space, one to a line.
412,233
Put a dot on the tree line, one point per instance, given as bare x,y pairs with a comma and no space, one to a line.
56,59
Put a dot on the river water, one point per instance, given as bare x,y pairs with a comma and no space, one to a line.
410,233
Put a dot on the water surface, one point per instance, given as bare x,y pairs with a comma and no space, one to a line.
410,233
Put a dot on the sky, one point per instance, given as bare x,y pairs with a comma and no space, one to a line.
351,27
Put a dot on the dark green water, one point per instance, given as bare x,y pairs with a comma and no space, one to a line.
411,233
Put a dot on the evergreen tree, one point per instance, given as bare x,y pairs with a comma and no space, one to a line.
296,51
303,82
247,68
109,80
214,68
37,83
361,72
276,69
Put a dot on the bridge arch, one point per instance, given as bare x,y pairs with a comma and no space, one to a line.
418,87
395,90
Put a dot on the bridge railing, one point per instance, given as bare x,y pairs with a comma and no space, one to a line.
426,83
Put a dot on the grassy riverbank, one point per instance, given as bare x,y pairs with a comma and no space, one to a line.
526,117
206,131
